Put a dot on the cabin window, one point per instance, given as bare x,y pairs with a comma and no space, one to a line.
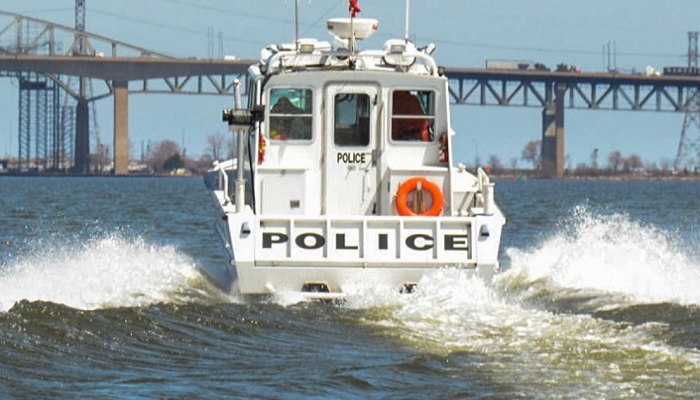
413,115
351,119
291,114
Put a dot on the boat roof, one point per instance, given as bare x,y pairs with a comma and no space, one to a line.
399,55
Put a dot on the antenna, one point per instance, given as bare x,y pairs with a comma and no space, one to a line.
296,21
296,24
408,13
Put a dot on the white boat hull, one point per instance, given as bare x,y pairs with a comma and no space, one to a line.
325,254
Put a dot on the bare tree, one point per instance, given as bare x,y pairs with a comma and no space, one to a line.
532,152
615,161
495,162
514,163
215,142
581,168
665,165
161,152
633,163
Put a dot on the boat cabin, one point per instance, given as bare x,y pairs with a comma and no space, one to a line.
341,131
372,138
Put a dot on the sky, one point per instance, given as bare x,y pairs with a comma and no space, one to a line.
466,32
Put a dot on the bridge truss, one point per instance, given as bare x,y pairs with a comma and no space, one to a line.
64,60
553,92
597,91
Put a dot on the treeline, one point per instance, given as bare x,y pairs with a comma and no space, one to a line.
167,157
614,164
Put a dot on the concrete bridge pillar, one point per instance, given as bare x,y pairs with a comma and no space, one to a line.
82,137
553,135
121,127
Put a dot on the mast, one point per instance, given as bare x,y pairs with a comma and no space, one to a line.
353,9
408,13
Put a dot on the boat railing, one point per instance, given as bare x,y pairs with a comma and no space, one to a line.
369,59
221,168
486,189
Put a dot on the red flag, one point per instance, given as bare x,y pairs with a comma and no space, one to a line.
354,8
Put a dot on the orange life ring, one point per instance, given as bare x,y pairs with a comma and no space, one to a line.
411,185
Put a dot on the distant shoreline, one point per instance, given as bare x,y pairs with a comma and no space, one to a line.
35,175
494,175
636,176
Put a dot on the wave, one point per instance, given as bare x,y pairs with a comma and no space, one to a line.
103,272
571,317
488,335
611,260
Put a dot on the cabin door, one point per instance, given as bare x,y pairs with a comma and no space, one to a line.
350,166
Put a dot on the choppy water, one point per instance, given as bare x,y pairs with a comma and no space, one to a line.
100,297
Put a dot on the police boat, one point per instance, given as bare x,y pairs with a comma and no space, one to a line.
344,175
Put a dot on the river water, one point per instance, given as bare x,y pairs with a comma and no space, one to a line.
101,298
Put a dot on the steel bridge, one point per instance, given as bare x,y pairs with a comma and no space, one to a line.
31,50
553,92
126,69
